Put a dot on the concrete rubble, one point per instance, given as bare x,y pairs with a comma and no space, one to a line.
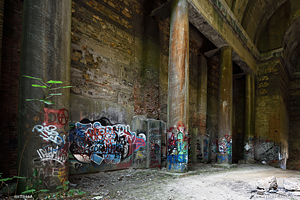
268,187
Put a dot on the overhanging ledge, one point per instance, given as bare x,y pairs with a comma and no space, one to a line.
204,16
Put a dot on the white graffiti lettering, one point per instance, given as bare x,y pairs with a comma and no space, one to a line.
49,133
52,154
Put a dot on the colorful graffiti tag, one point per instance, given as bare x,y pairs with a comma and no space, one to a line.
93,142
53,153
177,155
225,149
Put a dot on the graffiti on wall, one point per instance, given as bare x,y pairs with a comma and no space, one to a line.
90,141
268,151
51,162
139,156
177,155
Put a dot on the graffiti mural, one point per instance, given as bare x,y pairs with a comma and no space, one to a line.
268,151
177,155
225,149
52,160
91,141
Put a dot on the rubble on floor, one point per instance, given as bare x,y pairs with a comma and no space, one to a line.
268,188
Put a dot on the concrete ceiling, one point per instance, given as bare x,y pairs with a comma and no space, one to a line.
271,24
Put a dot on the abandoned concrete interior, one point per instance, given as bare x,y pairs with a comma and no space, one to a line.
155,84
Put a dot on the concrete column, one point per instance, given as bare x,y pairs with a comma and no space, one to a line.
225,107
249,117
178,88
45,53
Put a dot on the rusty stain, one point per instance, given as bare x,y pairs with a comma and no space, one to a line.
178,67
36,118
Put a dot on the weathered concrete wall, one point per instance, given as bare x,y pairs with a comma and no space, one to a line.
45,55
212,105
272,119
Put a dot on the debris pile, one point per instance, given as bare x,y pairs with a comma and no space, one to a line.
269,187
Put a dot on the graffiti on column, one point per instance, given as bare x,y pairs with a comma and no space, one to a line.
94,142
249,149
154,151
268,151
140,155
52,155
214,146
199,150
206,148
225,148
177,148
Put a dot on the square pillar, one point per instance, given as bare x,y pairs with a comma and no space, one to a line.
225,107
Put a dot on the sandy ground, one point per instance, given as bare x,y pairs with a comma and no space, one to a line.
203,181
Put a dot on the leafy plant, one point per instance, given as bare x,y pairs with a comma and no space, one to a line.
47,88
49,91
63,194
4,180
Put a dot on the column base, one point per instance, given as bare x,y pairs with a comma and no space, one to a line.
224,159
177,167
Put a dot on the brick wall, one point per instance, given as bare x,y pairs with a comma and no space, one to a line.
164,35
1,29
272,113
12,23
106,57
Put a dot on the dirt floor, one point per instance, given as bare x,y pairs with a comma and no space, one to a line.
203,181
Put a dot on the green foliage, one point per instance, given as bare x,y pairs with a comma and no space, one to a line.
46,87
63,194
3,181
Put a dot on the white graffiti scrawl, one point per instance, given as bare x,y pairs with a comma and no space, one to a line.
49,134
52,155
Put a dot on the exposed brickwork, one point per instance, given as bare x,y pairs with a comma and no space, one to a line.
164,35
1,29
12,23
103,45
267,94
272,118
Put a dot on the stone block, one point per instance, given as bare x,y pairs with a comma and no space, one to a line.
291,186
269,183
